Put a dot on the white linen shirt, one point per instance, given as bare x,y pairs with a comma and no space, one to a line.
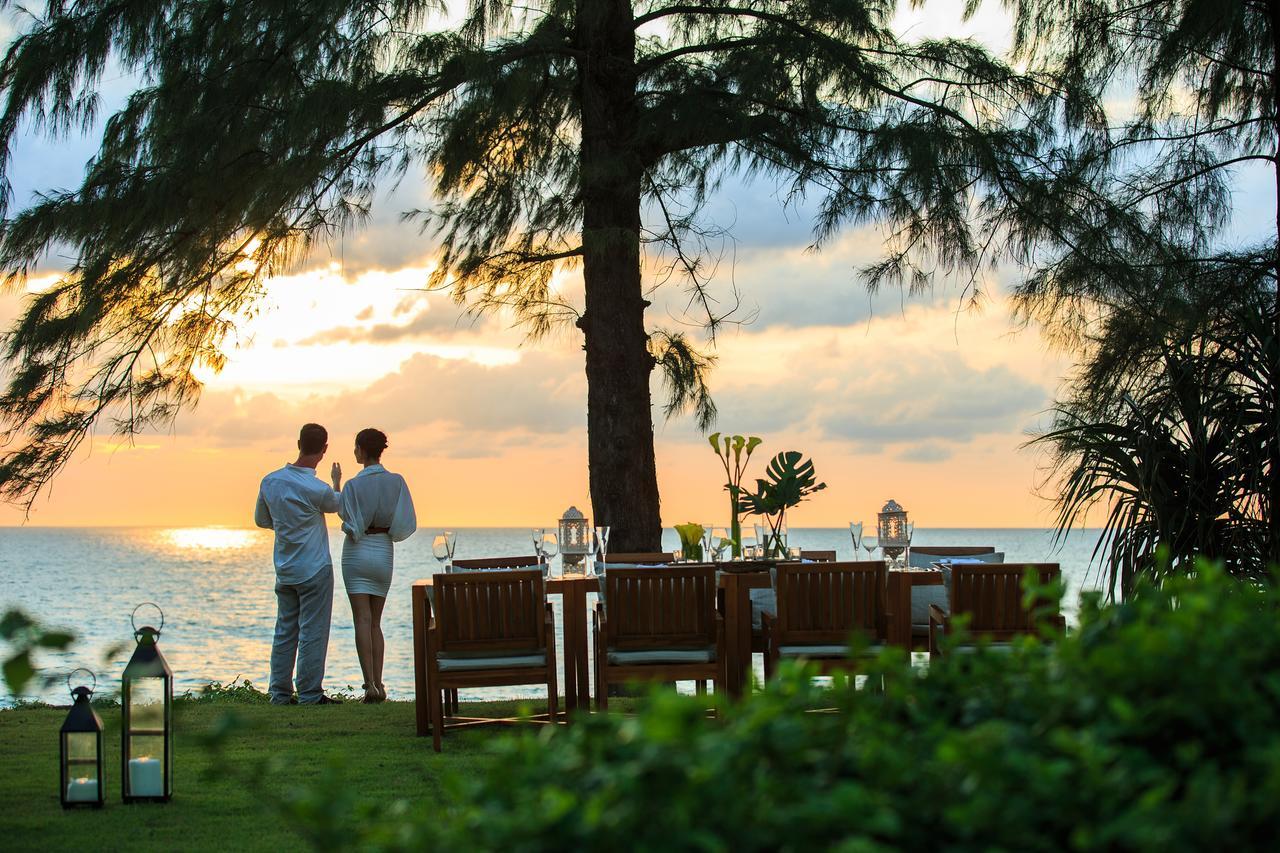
375,497
292,502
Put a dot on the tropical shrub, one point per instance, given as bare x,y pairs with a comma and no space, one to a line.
1168,428
1155,725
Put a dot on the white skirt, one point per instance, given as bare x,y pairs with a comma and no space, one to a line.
367,565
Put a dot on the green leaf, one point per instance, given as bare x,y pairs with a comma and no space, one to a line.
18,671
55,640
14,622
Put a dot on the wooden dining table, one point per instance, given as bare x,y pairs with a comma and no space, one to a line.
735,582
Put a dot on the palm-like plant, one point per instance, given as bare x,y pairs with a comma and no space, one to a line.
791,479
1175,448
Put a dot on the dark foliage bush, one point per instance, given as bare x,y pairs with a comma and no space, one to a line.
1156,725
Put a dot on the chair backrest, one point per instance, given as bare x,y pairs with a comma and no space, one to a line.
490,611
491,563
657,557
922,556
823,603
818,556
991,595
671,607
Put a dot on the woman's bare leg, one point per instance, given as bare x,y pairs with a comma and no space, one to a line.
377,644
362,617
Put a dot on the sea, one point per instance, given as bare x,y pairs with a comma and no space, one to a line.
214,586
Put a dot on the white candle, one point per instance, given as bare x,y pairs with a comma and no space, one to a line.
145,777
82,790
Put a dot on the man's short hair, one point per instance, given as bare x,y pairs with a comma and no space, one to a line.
312,439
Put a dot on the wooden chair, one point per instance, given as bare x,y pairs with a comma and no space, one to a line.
933,553
909,602
819,556
658,624
990,594
482,565
489,629
656,557
820,607
495,563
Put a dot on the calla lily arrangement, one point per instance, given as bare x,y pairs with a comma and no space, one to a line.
691,540
734,454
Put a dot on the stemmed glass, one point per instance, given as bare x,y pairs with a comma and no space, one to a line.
720,543
748,544
906,554
855,530
869,545
442,549
762,540
550,546
602,540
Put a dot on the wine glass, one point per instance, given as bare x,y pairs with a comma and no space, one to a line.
855,531
720,543
906,553
441,551
869,545
602,537
762,540
549,548
748,544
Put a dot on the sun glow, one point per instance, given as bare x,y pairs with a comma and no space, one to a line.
210,538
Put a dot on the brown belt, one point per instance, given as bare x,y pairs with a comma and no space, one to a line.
373,530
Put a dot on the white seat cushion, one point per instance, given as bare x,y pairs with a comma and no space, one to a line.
823,651
458,660
922,597
923,559
620,658
1002,648
762,601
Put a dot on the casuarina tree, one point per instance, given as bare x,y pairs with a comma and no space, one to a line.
582,134
1147,257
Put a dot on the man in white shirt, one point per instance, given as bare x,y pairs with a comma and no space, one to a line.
292,501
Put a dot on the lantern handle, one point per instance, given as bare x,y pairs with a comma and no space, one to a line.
133,617
92,689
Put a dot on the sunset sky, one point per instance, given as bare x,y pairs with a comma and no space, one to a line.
914,399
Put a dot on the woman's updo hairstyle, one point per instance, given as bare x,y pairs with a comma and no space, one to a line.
372,442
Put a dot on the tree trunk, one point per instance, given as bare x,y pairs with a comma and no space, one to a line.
624,481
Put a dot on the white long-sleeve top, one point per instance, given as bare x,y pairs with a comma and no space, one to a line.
292,501
375,497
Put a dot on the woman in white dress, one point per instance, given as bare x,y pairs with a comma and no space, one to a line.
376,510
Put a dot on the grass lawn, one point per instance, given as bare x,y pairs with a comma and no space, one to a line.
277,750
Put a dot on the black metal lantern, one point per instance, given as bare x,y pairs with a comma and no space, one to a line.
81,750
146,715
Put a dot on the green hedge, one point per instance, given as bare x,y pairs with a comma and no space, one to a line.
1155,725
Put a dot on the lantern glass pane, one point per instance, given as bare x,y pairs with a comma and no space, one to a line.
82,767
146,705
146,765
82,747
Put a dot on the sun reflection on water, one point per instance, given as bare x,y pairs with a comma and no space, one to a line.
216,538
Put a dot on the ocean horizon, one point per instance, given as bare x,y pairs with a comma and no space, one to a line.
215,586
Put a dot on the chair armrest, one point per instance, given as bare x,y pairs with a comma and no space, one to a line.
433,639
937,616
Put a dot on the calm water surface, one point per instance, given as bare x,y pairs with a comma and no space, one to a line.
216,588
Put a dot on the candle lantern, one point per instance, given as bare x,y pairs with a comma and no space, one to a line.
892,528
146,712
81,750
575,532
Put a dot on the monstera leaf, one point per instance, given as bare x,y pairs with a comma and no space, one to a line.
791,479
